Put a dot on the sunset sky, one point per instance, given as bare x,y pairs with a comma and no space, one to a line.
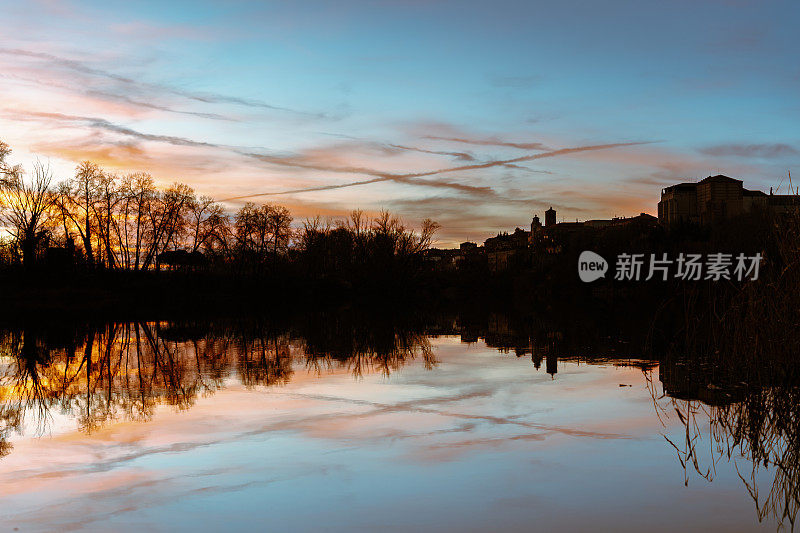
476,114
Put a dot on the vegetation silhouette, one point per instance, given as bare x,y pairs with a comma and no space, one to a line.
99,239
98,242
755,425
733,366
727,351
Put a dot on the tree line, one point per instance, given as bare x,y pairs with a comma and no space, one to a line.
98,220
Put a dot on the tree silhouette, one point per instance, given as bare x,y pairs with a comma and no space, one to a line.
26,207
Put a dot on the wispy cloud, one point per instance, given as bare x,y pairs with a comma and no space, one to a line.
150,105
526,169
392,148
103,124
463,156
514,82
413,176
491,141
328,160
114,97
762,151
292,161
197,96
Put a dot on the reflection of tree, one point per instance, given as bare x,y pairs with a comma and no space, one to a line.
116,370
98,373
265,360
761,425
766,429
362,344
23,386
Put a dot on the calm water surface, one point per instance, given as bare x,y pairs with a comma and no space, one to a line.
434,434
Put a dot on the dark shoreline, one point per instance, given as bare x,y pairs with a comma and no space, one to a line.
121,294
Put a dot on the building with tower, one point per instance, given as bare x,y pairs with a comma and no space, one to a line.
550,217
716,199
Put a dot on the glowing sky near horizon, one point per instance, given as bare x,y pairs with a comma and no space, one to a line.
311,98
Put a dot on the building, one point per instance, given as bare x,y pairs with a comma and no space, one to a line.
548,239
525,248
438,259
550,217
678,204
506,251
714,199
468,247
469,254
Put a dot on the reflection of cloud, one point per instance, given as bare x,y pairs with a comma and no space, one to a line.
420,406
299,435
126,493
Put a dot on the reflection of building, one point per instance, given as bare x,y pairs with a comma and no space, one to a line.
551,364
688,380
716,198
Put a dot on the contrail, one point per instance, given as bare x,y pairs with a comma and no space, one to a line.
412,178
490,142
383,176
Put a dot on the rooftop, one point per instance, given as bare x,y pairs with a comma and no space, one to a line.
719,178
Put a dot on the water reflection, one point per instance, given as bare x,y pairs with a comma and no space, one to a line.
99,374
756,427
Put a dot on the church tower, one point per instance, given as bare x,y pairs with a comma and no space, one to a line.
536,225
550,217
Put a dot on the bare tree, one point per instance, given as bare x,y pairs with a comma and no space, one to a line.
262,230
427,232
140,192
26,208
7,172
77,204
109,195
280,225
167,220
357,223
207,221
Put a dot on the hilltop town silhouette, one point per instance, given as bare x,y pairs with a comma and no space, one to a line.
708,203
101,240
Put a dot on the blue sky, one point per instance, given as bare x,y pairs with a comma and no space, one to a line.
432,103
